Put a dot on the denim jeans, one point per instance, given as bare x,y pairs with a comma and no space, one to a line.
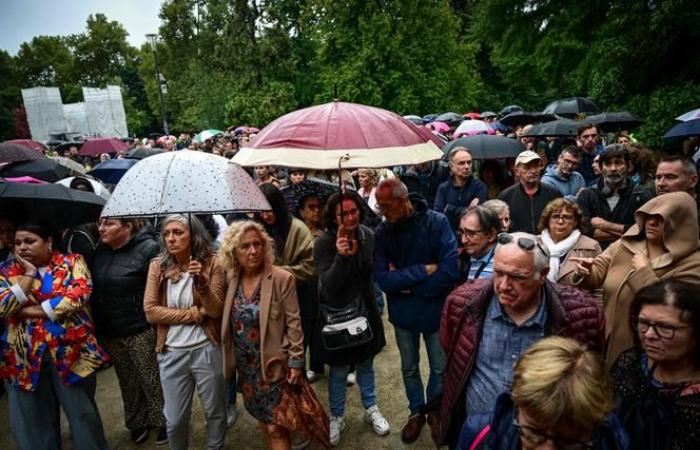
35,417
337,387
409,349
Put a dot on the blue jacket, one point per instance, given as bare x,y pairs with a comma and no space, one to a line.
452,200
503,435
415,298
568,188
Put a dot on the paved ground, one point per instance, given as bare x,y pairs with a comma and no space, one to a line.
245,435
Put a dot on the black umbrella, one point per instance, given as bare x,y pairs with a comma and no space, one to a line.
486,146
52,204
615,121
294,194
450,117
44,169
143,152
525,118
684,129
572,107
560,127
12,153
510,109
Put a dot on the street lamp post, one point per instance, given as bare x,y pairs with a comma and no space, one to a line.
153,39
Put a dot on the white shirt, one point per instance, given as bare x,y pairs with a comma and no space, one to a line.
186,336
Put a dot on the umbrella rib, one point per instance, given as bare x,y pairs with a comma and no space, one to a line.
167,173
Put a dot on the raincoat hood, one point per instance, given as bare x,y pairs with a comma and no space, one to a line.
680,214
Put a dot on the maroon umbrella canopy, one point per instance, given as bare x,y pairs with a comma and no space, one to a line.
317,137
97,146
12,152
34,145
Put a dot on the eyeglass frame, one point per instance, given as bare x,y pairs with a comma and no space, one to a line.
558,441
559,216
635,321
469,233
525,243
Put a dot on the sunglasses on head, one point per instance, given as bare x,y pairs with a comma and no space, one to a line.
524,243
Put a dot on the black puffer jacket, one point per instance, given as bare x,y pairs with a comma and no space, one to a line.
119,279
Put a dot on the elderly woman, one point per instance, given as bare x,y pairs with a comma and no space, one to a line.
261,329
657,382
561,398
559,226
184,299
344,261
662,244
49,351
119,271
502,211
368,179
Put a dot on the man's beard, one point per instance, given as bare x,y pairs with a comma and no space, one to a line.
613,180
564,175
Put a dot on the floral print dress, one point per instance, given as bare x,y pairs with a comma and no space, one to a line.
260,397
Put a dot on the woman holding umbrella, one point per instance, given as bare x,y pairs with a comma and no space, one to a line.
49,351
184,298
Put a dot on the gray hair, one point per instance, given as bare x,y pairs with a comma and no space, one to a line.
200,241
395,186
540,253
457,149
497,206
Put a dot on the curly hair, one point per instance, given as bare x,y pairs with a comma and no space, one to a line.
559,204
232,239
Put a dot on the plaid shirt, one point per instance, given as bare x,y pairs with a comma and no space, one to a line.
502,342
62,289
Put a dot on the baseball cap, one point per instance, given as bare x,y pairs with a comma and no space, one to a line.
526,156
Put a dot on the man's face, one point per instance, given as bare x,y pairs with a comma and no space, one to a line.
74,151
529,173
475,239
614,170
514,277
567,164
589,139
394,209
671,177
461,164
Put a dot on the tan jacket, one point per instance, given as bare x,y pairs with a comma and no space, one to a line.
210,297
585,247
281,337
613,269
298,253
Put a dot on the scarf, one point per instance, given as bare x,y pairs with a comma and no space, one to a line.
557,250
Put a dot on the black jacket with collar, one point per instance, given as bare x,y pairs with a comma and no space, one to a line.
525,211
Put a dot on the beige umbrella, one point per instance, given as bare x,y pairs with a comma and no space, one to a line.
70,164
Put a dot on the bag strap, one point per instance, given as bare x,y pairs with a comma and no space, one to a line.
69,247
481,437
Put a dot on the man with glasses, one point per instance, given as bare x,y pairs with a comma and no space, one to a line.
528,198
416,264
477,233
487,324
563,176
587,140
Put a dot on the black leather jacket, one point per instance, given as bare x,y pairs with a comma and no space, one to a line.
119,279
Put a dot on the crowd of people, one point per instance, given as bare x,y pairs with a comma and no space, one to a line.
555,294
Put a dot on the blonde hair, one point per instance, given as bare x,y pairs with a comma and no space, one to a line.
232,239
558,380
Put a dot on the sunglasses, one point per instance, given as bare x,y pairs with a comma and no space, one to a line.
524,243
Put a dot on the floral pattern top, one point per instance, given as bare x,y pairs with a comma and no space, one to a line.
62,288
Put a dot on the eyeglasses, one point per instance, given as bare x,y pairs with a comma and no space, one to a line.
562,217
469,233
523,242
538,437
662,330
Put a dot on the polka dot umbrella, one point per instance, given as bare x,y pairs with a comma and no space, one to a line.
184,182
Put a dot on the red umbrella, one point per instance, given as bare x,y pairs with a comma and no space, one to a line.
34,145
472,115
97,146
319,136
13,152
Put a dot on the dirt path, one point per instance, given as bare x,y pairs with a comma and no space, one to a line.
245,435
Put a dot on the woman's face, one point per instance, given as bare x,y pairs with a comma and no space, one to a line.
262,172
297,177
33,247
177,238
654,228
505,220
350,215
113,232
365,179
250,251
534,436
677,343
561,224
311,211
268,217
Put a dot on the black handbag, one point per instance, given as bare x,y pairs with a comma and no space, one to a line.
343,328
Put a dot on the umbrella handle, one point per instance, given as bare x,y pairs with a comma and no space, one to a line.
341,185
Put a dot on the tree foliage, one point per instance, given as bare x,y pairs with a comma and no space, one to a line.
234,62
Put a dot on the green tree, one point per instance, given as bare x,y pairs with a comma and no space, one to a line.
9,95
